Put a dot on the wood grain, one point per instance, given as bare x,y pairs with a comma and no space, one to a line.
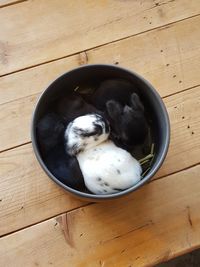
34,80
154,224
16,119
51,29
168,58
180,48
184,150
159,221
27,195
23,183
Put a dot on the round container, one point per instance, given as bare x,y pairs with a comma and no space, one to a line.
96,73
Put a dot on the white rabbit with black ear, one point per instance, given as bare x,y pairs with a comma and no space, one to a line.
106,168
124,110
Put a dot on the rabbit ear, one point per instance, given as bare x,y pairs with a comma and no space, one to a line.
114,109
136,103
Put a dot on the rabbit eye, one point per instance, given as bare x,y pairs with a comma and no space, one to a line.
98,129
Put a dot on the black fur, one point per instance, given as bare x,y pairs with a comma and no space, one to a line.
50,132
85,133
76,149
65,168
50,135
124,111
118,89
73,106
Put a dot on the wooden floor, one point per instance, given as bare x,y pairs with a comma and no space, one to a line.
41,225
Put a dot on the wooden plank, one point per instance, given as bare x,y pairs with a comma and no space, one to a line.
28,187
164,56
168,57
156,223
16,118
27,195
51,29
34,80
182,73
184,112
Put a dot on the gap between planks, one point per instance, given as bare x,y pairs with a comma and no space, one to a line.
26,143
11,3
98,46
48,218
181,91
176,172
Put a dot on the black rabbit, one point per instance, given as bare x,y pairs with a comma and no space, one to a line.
124,110
73,106
50,134
65,167
50,131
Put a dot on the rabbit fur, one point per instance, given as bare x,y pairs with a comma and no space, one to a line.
50,134
106,168
124,110
73,106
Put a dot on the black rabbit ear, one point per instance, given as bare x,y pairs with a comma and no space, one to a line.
114,109
136,103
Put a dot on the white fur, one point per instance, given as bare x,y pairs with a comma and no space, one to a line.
106,168
84,123
115,167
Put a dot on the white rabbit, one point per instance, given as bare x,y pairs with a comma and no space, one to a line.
106,168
